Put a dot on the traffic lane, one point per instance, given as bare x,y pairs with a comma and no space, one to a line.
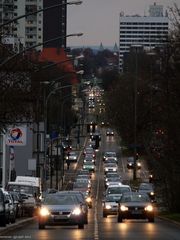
109,228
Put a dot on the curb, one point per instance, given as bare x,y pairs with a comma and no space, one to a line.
169,220
16,225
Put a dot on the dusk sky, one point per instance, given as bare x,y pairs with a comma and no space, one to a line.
99,19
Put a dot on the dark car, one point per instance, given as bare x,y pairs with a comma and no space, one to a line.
82,200
4,212
109,132
130,163
135,205
147,188
18,203
61,209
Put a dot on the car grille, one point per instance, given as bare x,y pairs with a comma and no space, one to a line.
60,213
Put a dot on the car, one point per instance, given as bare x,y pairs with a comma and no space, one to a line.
113,181
89,158
110,160
110,205
60,209
18,204
109,154
96,135
89,166
147,188
72,156
81,186
82,199
10,207
109,132
4,211
111,174
66,145
110,167
135,205
130,163
121,189
89,150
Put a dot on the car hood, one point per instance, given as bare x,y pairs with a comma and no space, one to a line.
61,207
137,204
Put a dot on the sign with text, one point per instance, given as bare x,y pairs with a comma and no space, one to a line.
16,136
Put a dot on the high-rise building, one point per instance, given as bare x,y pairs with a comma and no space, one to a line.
55,23
146,31
27,31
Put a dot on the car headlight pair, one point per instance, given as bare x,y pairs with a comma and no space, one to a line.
149,208
44,212
76,211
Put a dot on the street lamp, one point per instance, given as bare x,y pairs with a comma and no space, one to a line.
136,47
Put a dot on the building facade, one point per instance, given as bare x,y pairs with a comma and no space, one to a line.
147,31
25,32
55,23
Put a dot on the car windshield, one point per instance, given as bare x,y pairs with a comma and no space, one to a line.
135,198
110,154
22,189
117,190
113,179
88,163
60,199
112,198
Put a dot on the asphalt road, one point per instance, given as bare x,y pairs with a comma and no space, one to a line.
100,228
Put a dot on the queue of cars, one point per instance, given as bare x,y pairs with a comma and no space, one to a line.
119,199
11,207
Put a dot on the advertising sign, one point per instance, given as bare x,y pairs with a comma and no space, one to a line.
16,136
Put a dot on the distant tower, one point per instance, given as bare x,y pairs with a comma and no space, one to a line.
155,10
115,49
101,48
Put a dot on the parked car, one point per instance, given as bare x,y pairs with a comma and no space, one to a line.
4,211
18,204
135,205
9,205
58,208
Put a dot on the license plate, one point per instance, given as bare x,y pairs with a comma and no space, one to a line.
137,212
59,217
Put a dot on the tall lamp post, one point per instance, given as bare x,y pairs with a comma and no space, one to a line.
136,48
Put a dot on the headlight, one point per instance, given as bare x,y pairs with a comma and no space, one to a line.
130,164
124,208
149,208
114,169
88,200
139,164
107,183
44,212
106,169
76,211
108,206
152,193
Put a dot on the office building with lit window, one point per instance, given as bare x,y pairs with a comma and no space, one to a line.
146,31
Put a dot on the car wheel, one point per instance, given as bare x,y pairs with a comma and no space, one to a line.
119,219
104,215
81,226
151,219
41,226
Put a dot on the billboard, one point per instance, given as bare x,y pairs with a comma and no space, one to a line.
16,136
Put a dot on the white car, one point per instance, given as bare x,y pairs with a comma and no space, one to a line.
72,156
109,154
110,167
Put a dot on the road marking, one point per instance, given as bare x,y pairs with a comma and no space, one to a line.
96,230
